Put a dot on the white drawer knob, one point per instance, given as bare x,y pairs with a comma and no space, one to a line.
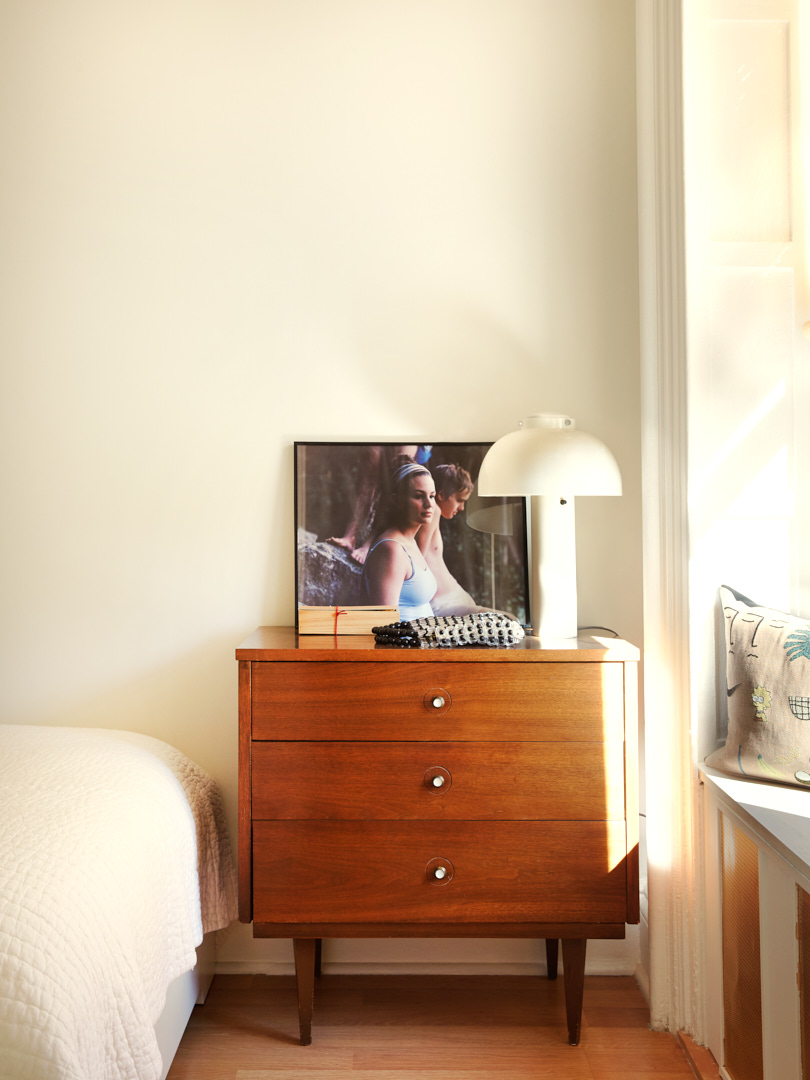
438,781
439,871
437,698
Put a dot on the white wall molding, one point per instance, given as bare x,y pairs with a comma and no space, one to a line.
674,908
599,965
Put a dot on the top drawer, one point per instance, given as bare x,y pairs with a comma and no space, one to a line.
419,701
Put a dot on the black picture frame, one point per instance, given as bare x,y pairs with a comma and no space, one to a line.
340,496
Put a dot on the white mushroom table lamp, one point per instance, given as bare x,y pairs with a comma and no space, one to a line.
549,461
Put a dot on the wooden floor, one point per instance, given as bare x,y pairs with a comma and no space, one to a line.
424,1028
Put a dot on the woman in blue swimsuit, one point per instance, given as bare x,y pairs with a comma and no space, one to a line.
395,570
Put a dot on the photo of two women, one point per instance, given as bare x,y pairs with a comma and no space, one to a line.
401,525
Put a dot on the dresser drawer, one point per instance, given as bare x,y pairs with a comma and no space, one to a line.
500,872
373,781
550,702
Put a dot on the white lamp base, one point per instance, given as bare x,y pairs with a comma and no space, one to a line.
554,567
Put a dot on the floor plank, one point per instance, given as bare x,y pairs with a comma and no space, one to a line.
424,1028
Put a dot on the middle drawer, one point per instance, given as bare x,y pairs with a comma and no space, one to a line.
485,781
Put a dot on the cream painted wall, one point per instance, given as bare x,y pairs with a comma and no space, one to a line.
229,225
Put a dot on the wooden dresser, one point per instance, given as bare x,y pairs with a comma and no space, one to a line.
471,792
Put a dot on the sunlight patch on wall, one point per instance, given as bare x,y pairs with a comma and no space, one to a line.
741,433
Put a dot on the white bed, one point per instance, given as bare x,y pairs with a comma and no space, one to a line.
114,861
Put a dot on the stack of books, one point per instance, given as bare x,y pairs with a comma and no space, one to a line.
344,620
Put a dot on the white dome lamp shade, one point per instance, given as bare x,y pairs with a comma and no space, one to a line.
549,461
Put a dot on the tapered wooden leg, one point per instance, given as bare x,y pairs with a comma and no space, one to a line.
552,946
305,950
573,950
318,944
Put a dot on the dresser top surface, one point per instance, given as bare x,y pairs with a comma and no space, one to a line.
284,643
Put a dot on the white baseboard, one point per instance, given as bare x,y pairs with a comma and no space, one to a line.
599,966
240,953
642,977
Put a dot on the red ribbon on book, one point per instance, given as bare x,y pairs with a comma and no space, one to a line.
339,611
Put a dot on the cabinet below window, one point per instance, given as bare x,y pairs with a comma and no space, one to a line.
757,844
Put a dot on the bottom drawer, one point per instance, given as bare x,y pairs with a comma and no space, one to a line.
504,871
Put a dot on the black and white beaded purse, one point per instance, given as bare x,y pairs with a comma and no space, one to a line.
481,628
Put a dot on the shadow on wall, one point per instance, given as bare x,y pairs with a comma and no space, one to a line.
429,372
447,371
190,702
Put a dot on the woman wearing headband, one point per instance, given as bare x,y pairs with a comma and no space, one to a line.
395,571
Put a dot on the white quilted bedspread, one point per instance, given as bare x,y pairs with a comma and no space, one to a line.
114,859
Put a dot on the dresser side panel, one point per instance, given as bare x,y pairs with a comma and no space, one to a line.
245,816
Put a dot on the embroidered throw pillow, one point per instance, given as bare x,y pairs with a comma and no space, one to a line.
768,686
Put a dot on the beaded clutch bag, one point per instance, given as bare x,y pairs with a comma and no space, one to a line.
481,628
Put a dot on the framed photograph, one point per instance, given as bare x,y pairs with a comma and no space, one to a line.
345,494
